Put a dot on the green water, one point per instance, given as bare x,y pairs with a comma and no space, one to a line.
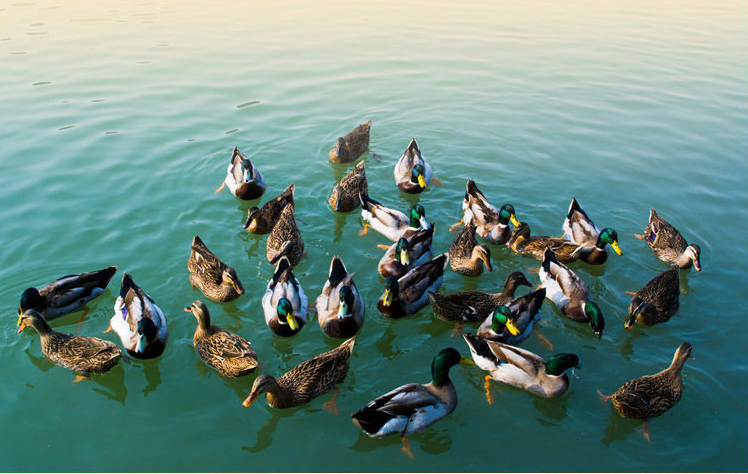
118,120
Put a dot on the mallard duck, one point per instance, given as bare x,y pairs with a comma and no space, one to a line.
409,252
340,308
306,381
492,224
652,395
411,408
579,229
226,352
262,220
412,173
139,323
354,144
345,194
521,368
534,246
569,293
242,177
466,256
408,294
285,239
668,245
471,306
215,279
284,303
389,222
513,323
78,353
657,301
65,295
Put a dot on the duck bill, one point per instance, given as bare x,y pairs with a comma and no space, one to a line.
465,361
487,263
421,181
188,309
238,287
511,327
342,310
630,321
249,400
140,347
616,248
387,298
697,264
404,259
21,326
514,220
291,320
424,222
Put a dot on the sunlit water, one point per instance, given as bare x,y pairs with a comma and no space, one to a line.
118,120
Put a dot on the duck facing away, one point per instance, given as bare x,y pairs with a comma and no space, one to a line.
413,407
261,220
412,173
652,395
471,306
78,353
669,245
306,381
354,144
389,222
66,294
407,253
569,293
579,229
492,223
521,368
242,177
340,307
215,279
466,257
285,305
139,323
226,352
513,323
534,245
345,193
285,239
657,301
407,295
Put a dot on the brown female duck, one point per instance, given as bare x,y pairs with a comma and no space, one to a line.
466,257
657,301
261,220
345,194
354,144
215,279
534,246
669,245
285,239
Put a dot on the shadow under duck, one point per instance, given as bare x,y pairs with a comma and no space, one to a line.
306,381
66,294
354,144
229,354
579,229
472,306
657,301
261,220
345,193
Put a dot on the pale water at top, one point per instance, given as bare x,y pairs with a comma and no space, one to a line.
118,120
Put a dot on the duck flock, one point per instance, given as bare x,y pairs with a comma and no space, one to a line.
413,276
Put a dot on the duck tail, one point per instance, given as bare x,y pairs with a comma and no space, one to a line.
548,257
338,271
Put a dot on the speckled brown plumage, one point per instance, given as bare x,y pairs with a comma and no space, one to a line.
658,300
668,244
285,239
78,353
345,194
215,279
474,306
652,395
261,221
534,246
307,380
354,144
466,257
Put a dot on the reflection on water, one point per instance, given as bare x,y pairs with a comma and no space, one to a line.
112,384
620,428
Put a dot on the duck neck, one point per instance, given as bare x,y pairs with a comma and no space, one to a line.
42,327
510,287
280,397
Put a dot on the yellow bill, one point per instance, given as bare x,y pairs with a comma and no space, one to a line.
291,320
512,328
616,248
387,298
514,220
421,181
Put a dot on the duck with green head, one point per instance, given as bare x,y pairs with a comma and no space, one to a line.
391,223
513,323
284,302
243,178
412,173
407,295
340,307
579,229
492,224
569,293
413,407
409,252
521,368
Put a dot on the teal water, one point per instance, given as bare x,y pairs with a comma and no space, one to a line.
118,120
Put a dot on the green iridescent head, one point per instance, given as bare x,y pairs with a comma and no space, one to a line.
401,252
346,301
593,313
502,318
557,364
445,360
418,217
506,214
609,236
285,313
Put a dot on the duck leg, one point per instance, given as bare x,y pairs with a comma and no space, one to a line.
630,293
81,319
383,246
457,331
79,377
108,329
543,340
645,430
406,447
639,236
487,385
604,398
534,270
220,188
365,229
330,406
455,226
